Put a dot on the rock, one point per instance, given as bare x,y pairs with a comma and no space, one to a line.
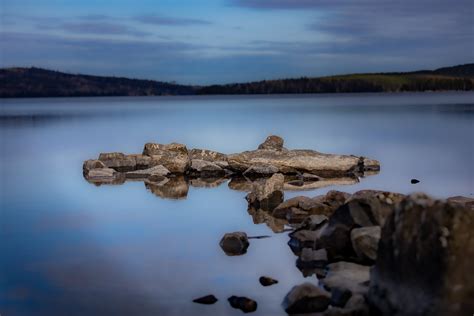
365,241
347,276
306,298
209,155
261,170
260,216
172,156
309,255
141,161
267,194
424,261
243,303
92,164
205,168
339,297
313,222
175,188
207,300
355,306
310,177
462,200
207,182
301,161
267,281
102,174
145,173
285,207
118,161
414,181
234,244
272,143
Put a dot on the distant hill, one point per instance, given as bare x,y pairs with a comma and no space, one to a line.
36,82
442,79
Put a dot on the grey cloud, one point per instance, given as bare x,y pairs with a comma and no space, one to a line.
170,21
102,27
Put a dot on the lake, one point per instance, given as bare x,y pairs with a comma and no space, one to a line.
69,247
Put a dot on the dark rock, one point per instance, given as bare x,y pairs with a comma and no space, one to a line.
234,244
245,304
267,281
118,161
339,297
92,164
347,276
424,261
272,143
365,241
267,194
207,300
414,181
306,298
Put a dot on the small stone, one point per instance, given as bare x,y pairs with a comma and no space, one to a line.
234,244
267,281
243,303
272,142
414,181
207,300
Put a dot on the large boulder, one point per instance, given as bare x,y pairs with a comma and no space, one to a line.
306,298
425,259
267,194
172,156
300,161
118,161
205,168
92,164
100,176
234,244
218,158
365,241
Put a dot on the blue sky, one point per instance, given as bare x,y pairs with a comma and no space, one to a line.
221,41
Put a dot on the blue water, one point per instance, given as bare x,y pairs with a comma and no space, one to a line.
71,248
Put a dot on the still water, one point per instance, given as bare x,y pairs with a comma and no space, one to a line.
68,247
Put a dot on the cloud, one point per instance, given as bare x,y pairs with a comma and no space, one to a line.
102,27
169,21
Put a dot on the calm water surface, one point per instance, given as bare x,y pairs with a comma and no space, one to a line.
71,248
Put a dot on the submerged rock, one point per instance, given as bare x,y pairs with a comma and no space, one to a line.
424,261
234,244
306,298
365,241
267,281
267,194
207,300
243,303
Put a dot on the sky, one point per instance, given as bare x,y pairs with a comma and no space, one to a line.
223,41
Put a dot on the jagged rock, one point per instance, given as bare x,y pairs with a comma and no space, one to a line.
365,241
272,142
207,300
172,156
301,161
145,173
205,168
234,244
209,155
261,170
243,303
348,276
92,164
462,200
268,193
267,281
424,261
306,298
175,188
118,161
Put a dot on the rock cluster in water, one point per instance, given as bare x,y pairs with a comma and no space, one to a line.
169,169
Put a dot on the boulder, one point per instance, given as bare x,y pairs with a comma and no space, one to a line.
205,168
172,156
118,161
267,281
92,164
243,303
347,276
365,241
462,200
102,174
261,170
306,298
425,259
339,297
206,300
146,173
300,161
267,194
234,244
209,155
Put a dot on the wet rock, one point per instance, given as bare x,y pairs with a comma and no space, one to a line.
339,297
301,161
313,222
309,255
282,210
267,281
365,241
207,182
347,276
92,164
145,173
414,181
424,261
118,161
207,300
267,194
306,298
261,170
205,168
243,303
174,188
462,200
172,156
234,244
272,142
218,158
